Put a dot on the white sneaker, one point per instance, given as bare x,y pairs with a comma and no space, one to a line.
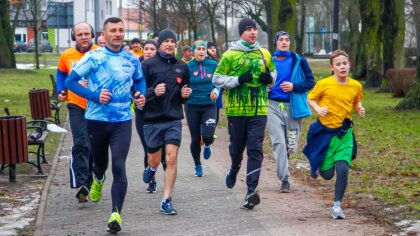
337,213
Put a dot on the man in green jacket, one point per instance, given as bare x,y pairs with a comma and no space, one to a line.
245,71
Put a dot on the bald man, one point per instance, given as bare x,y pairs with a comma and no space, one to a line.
100,41
80,156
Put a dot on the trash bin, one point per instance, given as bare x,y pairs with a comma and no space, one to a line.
13,143
39,100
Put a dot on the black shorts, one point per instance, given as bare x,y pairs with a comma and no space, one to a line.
159,134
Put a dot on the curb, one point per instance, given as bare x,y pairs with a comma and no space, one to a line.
40,215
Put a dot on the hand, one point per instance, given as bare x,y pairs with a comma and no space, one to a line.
322,111
140,100
287,87
245,77
265,78
160,89
105,96
213,96
62,96
185,91
361,111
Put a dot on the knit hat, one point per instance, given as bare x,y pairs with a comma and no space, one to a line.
135,40
150,41
186,48
201,43
245,24
164,35
278,34
211,44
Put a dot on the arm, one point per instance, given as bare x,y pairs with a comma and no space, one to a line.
72,83
322,111
221,79
359,109
309,82
61,78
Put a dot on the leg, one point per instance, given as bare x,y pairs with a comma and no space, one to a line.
99,140
171,169
193,116
208,122
120,144
277,129
236,127
255,137
80,156
139,127
342,169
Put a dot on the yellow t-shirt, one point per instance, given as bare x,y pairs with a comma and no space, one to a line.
339,98
65,64
138,53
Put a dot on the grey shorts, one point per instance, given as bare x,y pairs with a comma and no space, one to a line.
159,134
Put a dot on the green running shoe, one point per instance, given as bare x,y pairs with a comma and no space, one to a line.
96,189
114,223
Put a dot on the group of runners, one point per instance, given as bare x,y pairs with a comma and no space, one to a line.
103,84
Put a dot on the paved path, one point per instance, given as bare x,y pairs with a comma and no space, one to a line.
205,206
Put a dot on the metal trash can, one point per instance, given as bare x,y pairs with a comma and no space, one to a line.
39,100
13,143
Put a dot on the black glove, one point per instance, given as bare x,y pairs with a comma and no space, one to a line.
245,77
265,78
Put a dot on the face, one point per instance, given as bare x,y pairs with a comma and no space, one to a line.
127,47
340,66
212,50
250,35
200,53
168,46
283,43
187,54
83,36
136,46
101,41
114,35
149,51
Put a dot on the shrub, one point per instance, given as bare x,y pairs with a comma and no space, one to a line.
400,80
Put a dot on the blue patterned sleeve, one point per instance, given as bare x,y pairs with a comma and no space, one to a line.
138,79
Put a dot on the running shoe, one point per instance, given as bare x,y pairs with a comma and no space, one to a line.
152,187
148,175
231,178
114,223
251,200
167,208
96,189
207,152
198,171
285,187
82,194
337,213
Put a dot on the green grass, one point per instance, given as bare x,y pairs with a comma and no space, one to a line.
14,88
46,59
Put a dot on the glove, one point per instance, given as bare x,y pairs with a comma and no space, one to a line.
245,77
265,78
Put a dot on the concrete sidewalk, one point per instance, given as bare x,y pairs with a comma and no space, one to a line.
205,206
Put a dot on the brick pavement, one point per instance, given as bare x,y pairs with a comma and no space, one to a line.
205,206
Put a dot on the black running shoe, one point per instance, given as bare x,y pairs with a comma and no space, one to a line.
152,187
82,194
231,178
251,200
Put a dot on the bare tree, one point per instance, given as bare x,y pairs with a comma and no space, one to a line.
7,59
211,7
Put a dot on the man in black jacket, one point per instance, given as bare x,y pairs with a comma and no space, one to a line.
167,80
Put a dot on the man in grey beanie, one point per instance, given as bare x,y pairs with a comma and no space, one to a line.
245,71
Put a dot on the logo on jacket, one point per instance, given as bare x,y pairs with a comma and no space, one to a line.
195,73
178,79
177,70
209,76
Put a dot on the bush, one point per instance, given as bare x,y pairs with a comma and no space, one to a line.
401,80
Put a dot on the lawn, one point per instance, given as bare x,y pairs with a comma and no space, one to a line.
14,88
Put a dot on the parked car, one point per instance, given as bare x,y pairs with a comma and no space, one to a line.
20,46
43,46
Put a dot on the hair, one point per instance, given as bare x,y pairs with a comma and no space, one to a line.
338,53
112,19
72,34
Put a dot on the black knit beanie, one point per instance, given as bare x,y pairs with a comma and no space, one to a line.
245,24
164,35
150,41
211,44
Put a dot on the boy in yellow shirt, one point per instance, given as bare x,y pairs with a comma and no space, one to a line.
331,145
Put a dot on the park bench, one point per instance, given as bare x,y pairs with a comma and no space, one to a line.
36,135
55,103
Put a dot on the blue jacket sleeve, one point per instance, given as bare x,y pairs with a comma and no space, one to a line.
140,85
72,83
308,82
61,78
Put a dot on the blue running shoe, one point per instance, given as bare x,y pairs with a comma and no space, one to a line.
152,187
148,175
207,152
166,207
198,171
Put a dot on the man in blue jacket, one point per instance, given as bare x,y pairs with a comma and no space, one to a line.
287,104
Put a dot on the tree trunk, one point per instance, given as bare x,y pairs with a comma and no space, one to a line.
412,100
7,58
369,60
393,19
300,35
353,19
226,5
284,17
